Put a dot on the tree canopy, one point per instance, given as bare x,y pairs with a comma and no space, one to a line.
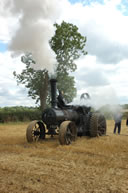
69,45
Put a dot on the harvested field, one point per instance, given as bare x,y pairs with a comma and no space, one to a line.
89,165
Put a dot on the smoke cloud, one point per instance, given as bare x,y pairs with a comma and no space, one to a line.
100,97
35,29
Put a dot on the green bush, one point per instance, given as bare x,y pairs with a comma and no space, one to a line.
14,114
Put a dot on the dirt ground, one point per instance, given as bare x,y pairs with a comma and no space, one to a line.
88,165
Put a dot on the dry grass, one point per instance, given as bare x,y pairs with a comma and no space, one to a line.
87,166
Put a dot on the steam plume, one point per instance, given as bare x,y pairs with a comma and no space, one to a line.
105,98
36,19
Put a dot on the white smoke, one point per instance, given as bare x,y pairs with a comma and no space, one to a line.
35,29
100,97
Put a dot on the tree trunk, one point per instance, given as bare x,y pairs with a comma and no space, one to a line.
44,92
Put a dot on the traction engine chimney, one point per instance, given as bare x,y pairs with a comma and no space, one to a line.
53,92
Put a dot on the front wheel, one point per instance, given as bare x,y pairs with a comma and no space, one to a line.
67,132
97,125
35,131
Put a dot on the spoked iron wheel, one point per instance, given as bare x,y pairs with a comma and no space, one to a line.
35,131
97,125
67,132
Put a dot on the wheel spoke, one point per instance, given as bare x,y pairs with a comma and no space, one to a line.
68,132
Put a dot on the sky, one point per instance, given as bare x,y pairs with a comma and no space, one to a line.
103,73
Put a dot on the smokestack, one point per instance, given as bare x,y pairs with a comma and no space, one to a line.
53,93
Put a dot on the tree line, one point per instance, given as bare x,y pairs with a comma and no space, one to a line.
19,114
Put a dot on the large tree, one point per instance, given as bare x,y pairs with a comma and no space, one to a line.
68,44
35,80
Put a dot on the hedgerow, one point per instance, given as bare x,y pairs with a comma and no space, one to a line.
15,114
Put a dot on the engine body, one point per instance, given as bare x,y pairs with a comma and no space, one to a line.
53,117
67,121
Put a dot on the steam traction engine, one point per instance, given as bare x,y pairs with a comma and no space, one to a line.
66,121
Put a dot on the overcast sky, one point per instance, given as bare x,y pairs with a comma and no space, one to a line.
103,73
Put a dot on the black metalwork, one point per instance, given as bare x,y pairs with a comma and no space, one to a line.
67,120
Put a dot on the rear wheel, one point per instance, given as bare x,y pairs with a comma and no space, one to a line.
97,125
35,131
67,132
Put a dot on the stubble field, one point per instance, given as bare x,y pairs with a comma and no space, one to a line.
89,165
